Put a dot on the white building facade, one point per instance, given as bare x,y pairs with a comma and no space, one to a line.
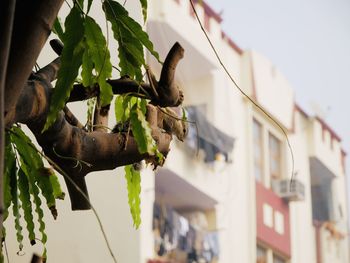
225,194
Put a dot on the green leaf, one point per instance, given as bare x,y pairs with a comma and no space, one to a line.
131,39
100,57
71,60
34,191
184,116
143,106
89,6
144,9
118,108
15,209
129,62
37,173
57,190
117,13
44,183
133,180
87,67
142,131
57,28
80,4
130,51
23,186
9,172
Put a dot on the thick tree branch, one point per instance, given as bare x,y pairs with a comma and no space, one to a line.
32,25
7,12
120,86
169,93
78,152
49,72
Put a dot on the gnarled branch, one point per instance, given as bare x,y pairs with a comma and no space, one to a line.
32,26
79,152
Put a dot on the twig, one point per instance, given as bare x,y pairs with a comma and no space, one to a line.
150,79
175,117
71,158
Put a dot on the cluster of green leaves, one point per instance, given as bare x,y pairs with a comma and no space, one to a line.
86,48
25,180
131,111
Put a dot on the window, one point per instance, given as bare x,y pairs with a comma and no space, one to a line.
267,215
322,201
261,254
258,151
279,222
275,157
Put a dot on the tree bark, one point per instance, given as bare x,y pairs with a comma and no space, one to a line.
32,25
6,24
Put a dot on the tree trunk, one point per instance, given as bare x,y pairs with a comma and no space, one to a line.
7,12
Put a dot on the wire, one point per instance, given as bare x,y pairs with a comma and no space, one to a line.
243,93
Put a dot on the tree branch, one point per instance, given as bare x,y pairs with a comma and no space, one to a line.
169,93
120,86
7,12
32,25
78,152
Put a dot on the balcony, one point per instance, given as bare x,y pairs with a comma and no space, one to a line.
184,222
325,146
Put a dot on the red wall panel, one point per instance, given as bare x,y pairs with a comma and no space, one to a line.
265,234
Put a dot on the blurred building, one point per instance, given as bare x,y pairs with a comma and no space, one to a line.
225,194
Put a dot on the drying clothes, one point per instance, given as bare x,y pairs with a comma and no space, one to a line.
185,236
209,138
212,240
184,226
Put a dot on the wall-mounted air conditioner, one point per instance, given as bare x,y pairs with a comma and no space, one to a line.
289,190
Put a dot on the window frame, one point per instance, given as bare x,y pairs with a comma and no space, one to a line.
268,130
258,164
275,155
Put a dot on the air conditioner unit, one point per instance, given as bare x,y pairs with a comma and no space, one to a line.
290,190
